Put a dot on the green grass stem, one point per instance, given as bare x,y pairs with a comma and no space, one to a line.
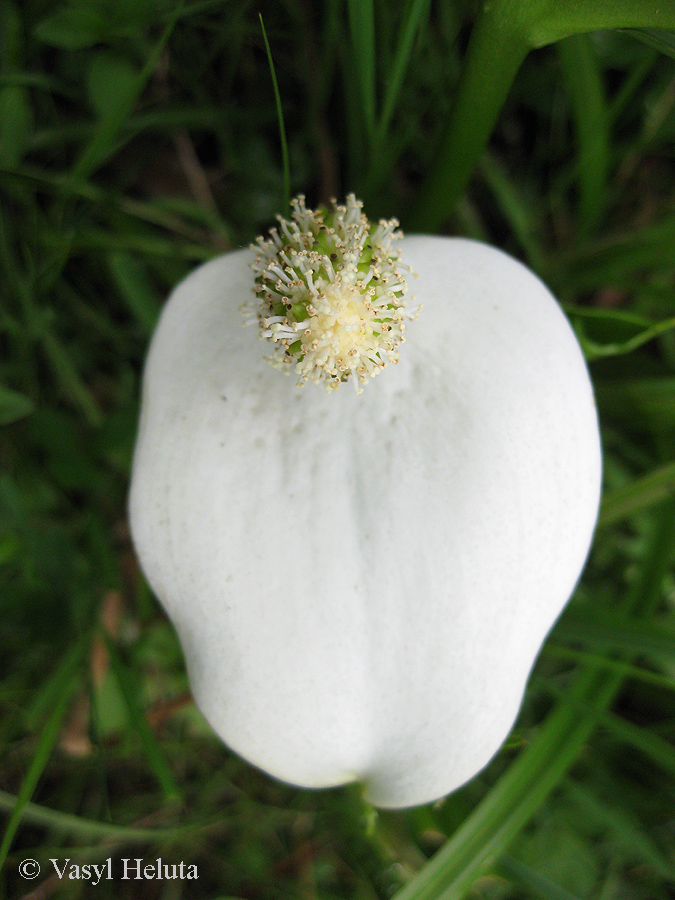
286,166
584,83
63,684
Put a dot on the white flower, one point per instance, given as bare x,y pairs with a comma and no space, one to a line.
362,583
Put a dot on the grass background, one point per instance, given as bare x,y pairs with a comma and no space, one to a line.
140,137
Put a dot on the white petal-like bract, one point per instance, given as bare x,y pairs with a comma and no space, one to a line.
361,584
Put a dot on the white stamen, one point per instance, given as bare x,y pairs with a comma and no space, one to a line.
342,293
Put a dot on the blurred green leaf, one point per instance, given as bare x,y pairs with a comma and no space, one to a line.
63,682
16,122
599,633
639,403
623,828
120,97
151,748
663,41
111,80
540,885
638,495
73,27
13,406
581,69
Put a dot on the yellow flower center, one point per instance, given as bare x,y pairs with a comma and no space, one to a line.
330,294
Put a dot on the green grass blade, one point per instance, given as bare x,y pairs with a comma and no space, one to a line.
361,16
611,322
584,83
638,403
66,373
516,209
637,496
67,824
130,275
550,20
663,41
280,116
416,19
626,670
654,747
497,821
628,635
62,686
626,831
13,406
536,883
496,50
151,748
596,264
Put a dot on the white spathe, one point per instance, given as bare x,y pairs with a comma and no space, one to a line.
361,584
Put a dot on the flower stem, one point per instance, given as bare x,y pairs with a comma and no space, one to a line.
504,32
496,50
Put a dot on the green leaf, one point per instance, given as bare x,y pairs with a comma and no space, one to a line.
73,28
537,883
280,118
613,332
131,277
638,403
620,824
548,21
111,80
361,16
638,495
92,830
122,96
602,635
151,748
13,406
16,124
417,17
654,747
63,683
584,83
664,41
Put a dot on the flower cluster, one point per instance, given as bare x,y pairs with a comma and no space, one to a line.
330,294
